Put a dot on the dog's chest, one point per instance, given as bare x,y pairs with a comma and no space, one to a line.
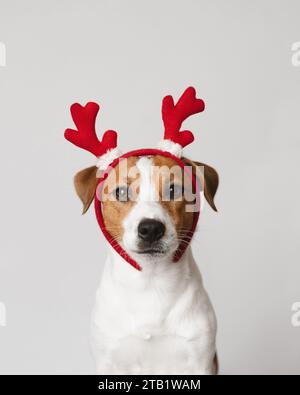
150,337
125,311
157,327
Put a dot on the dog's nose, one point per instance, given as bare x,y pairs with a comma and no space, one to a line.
151,230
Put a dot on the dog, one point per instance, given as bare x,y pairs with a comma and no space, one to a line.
158,320
152,314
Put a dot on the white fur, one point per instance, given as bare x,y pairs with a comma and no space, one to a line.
158,320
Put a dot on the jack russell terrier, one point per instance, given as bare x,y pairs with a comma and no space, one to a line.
152,313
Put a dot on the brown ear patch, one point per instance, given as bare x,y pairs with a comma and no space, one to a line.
85,182
211,180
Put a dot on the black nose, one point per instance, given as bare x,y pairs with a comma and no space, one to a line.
151,230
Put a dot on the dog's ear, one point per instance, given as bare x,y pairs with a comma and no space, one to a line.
86,182
210,182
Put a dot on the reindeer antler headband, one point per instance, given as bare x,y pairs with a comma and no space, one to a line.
106,150
109,155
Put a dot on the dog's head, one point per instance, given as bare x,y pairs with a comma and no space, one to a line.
148,203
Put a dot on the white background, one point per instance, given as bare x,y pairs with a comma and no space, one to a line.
127,55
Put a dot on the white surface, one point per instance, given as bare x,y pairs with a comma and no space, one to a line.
127,55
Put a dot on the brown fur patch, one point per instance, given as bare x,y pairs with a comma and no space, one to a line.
183,220
216,365
114,211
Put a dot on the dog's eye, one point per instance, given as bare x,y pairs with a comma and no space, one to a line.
122,194
173,192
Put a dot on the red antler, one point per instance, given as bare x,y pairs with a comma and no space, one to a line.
174,115
85,136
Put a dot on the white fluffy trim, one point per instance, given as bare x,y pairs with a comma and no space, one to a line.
106,159
170,146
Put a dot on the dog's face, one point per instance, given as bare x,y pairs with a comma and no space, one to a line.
148,203
147,213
